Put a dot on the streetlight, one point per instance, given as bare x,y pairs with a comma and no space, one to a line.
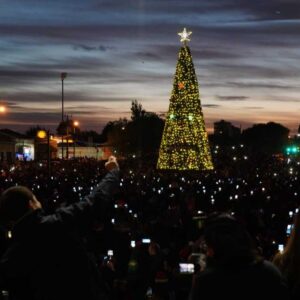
42,134
2,109
75,124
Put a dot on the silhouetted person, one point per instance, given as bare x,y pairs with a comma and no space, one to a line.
288,261
234,270
47,258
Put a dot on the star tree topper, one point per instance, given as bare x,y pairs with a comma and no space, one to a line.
185,36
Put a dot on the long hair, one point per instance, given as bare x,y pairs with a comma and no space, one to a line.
289,260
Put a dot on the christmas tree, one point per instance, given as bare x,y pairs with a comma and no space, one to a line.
184,144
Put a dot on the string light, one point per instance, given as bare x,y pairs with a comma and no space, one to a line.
184,144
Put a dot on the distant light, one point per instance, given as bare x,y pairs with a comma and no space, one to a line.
2,109
41,134
76,123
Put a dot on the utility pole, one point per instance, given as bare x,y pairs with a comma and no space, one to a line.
62,76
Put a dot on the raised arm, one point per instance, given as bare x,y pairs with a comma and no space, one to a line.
94,204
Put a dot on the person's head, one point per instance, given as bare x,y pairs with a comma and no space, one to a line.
228,243
15,203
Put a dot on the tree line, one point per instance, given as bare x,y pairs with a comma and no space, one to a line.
141,134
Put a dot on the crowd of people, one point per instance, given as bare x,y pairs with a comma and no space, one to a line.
163,235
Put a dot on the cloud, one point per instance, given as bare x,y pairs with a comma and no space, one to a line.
232,98
263,85
211,105
148,55
92,48
254,107
116,51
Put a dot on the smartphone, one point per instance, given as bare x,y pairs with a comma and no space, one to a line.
146,241
289,229
186,268
280,247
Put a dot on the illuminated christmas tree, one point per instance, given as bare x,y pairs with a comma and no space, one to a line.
184,144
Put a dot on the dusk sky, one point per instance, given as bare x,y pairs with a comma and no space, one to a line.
246,55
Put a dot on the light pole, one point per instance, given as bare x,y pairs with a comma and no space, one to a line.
75,124
42,134
62,76
67,124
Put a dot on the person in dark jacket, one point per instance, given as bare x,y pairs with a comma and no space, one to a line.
288,261
47,258
234,269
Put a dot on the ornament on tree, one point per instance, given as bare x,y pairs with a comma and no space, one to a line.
181,85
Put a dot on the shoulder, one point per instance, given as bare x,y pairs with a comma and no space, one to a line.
278,260
206,276
270,268
203,283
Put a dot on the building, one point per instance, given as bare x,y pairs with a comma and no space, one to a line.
99,152
15,146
